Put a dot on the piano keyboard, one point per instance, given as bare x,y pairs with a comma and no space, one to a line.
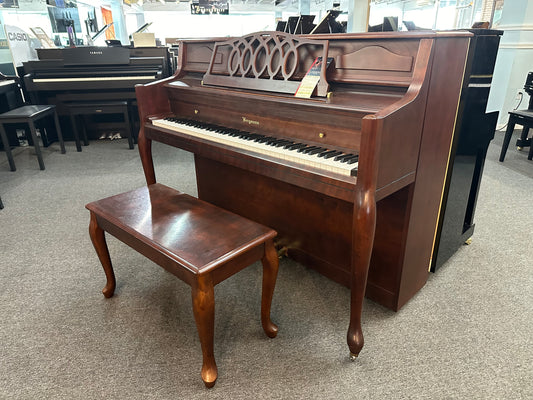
284,149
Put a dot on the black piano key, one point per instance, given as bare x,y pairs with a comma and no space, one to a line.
295,146
272,141
352,160
336,153
342,156
306,149
325,153
281,143
288,145
255,136
315,151
345,157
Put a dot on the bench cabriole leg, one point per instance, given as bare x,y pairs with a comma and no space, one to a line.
100,245
203,304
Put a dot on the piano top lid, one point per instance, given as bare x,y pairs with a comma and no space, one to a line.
429,34
96,55
89,55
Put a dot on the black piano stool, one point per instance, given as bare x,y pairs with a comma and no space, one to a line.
524,118
95,108
29,115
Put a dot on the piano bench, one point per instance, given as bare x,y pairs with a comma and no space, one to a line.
199,243
520,117
77,108
29,116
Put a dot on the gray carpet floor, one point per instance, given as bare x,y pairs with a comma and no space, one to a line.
468,334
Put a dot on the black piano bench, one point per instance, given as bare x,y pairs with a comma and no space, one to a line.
29,115
197,242
95,108
520,117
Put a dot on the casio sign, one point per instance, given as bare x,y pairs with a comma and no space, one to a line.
96,52
21,37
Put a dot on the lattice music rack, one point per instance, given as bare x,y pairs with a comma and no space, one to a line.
266,61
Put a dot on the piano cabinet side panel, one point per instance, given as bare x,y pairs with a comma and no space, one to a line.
401,128
152,99
440,115
315,228
386,271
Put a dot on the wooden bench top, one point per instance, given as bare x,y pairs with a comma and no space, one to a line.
191,232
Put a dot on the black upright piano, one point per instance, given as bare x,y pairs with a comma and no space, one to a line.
473,132
92,74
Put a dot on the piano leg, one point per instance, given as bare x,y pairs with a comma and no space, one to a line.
145,152
75,130
364,228
203,304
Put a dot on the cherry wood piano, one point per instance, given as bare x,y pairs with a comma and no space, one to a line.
351,178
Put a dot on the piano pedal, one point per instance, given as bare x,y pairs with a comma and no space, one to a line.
283,252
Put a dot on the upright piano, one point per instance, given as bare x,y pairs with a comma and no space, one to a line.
474,130
352,177
92,74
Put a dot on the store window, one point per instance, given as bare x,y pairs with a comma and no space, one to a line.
430,14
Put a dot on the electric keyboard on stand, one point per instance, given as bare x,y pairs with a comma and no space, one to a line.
359,202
